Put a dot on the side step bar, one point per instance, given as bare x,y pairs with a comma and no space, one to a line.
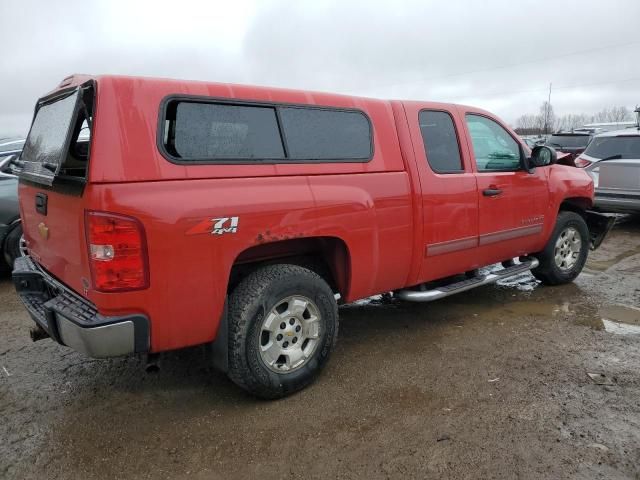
444,291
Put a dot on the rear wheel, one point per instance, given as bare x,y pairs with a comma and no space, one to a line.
13,245
565,254
283,323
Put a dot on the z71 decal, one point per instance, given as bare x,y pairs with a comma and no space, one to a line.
215,226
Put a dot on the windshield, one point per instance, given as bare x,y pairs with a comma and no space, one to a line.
604,147
571,141
48,140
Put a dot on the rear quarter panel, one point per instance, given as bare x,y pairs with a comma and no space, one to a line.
189,273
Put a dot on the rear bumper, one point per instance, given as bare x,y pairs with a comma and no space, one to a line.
73,321
621,202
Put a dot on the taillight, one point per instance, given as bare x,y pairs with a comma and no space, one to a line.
117,252
582,162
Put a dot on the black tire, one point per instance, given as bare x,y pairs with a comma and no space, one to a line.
548,272
12,246
254,297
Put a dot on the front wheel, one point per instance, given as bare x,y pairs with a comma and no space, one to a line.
565,254
283,323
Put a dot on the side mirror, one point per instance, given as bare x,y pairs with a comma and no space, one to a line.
542,155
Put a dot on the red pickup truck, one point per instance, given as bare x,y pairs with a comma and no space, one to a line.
160,214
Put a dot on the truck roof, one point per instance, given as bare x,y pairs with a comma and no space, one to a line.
241,90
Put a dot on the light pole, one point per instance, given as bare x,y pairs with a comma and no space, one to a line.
546,112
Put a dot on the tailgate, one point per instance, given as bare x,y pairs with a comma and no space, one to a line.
55,240
53,169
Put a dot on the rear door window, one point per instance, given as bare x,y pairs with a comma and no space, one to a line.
440,141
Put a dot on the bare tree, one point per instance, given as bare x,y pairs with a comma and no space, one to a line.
547,122
526,122
620,114
612,114
547,117
572,121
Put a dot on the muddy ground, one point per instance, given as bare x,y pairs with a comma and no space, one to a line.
490,384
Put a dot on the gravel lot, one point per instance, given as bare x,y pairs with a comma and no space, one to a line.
490,384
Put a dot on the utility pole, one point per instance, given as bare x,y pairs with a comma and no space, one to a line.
546,112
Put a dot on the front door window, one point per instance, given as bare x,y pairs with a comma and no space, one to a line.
494,149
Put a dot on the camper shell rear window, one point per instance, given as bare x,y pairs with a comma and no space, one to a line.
203,130
57,147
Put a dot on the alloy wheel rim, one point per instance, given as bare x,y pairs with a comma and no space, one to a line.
567,249
290,334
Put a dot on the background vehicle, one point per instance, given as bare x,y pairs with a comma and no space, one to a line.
234,215
601,127
10,226
573,143
613,161
528,141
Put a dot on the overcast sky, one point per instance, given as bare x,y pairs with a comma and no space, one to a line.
500,55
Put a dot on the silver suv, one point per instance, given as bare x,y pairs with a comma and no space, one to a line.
613,161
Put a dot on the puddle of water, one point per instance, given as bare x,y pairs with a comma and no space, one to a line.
592,321
622,314
621,319
567,301
536,308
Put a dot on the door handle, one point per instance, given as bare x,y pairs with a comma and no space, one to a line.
491,192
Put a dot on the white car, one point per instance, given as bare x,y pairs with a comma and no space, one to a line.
613,161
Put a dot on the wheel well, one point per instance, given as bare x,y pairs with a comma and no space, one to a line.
577,204
326,256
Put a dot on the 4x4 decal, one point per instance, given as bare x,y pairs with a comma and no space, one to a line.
215,226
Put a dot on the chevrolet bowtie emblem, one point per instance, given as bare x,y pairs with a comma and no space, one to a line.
44,230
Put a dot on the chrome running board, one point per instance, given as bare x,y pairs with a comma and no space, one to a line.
444,291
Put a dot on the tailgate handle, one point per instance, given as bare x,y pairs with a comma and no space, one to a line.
41,203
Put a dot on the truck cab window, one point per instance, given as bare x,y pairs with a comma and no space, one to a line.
440,141
493,147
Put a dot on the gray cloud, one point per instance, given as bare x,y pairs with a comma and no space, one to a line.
500,55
